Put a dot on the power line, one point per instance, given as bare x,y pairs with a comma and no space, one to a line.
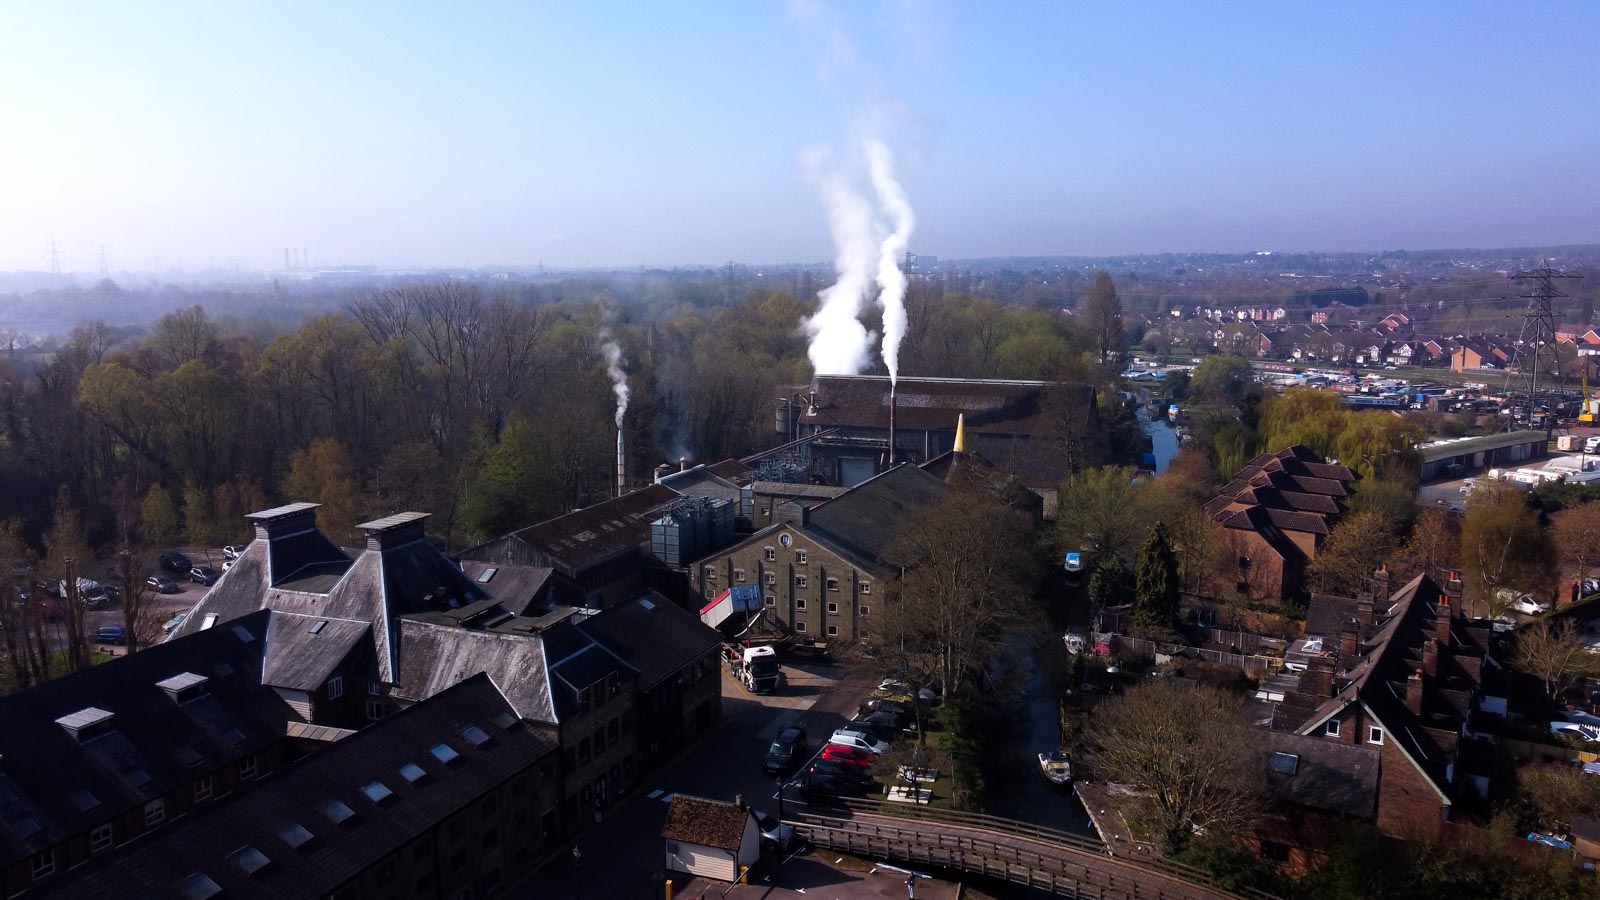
1538,329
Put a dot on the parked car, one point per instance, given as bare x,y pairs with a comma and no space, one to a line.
1528,606
228,565
233,551
110,634
161,584
830,778
889,724
774,834
900,708
204,575
175,562
172,624
1592,444
859,737
855,756
788,750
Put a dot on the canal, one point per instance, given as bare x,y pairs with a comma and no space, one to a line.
1163,439
1023,674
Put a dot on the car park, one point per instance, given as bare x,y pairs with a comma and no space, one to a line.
853,736
788,750
110,634
175,562
161,584
204,575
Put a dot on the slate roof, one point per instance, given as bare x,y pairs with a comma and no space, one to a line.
863,520
514,587
302,651
656,636
733,470
1291,520
789,489
709,823
208,840
1257,519
1330,775
990,406
598,533
46,773
436,657
1327,614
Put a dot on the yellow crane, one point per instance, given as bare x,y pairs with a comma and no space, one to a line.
1586,411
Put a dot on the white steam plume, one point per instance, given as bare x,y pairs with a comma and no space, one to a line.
840,344
619,379
891,280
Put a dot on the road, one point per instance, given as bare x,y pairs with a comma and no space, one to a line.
622,856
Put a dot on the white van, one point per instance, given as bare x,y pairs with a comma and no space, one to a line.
1592,444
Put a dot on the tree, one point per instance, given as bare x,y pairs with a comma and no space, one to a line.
158,516
1155,591
967,564
1358,545
1577,535
1194,751
1503,548
1102,311
1557,795
66,550
1101,508
141,625
1434,544
514,486
198,523
1221,379
1555,654
322,473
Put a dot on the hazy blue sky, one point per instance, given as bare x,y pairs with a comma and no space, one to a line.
663,133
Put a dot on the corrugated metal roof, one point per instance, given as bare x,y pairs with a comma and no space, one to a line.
1437,450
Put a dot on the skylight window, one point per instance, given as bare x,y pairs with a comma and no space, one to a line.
317,626
505,720
445,753
200,887
1284,763
486,574
250,859
336,812
138,777
295,835
647,604
26,827
410,772
189,756
208,621
85,801
376,791
475,736
235,736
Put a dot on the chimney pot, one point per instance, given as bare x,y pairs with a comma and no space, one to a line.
1441,622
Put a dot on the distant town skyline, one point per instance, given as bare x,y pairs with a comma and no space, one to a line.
500,134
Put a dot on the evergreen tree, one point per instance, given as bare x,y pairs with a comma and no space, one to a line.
1155,590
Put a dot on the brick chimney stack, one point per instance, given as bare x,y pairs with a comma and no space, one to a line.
1380,581
1349,642
1414,693
1321,672
1364,609
1430,658
1441,621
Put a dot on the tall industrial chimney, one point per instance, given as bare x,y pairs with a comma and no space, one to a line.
889,459
622,466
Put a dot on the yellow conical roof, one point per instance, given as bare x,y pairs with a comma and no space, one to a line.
961,433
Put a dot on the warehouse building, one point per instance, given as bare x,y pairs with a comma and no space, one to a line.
1453,457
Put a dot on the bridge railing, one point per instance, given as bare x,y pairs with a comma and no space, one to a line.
1012,827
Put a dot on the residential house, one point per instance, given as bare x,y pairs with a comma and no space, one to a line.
710,838
1316,787
1275,515
1407,682
454,797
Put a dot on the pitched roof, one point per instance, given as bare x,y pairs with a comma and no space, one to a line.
863,519
1258,520
1326,615
932,404
435,657
655,635
1292,520
513,587
209,840
1328,775
302,651
55,784
601,532
709,823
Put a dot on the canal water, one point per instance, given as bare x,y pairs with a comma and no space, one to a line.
1017,790
1163,439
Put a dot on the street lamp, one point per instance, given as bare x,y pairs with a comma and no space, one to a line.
577,866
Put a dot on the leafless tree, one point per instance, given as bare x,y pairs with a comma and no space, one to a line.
1554,654
967,565
1194,751
141,624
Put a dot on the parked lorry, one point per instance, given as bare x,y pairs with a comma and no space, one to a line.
755,667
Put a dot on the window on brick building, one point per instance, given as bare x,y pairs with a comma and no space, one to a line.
800,557
101,838
335,687
864,610
738,575
1374,734
800,581
44,863
799,603
799,628
832,584
866,587
833,631
833,608
204,787
711,573
1331,729
770,553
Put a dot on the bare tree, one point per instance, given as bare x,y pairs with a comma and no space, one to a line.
967,567
1193,749
1554,654
141,624
1577,533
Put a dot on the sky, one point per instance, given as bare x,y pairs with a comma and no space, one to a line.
626,134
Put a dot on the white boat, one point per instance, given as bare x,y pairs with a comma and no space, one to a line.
1056,766
1076,640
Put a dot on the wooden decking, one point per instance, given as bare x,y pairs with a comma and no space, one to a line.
1060,862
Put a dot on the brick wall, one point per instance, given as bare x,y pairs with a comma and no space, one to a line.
804,585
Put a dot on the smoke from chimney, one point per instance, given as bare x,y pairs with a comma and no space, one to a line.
619,379
891,281
840,344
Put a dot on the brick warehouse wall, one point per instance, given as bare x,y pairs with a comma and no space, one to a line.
798,583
